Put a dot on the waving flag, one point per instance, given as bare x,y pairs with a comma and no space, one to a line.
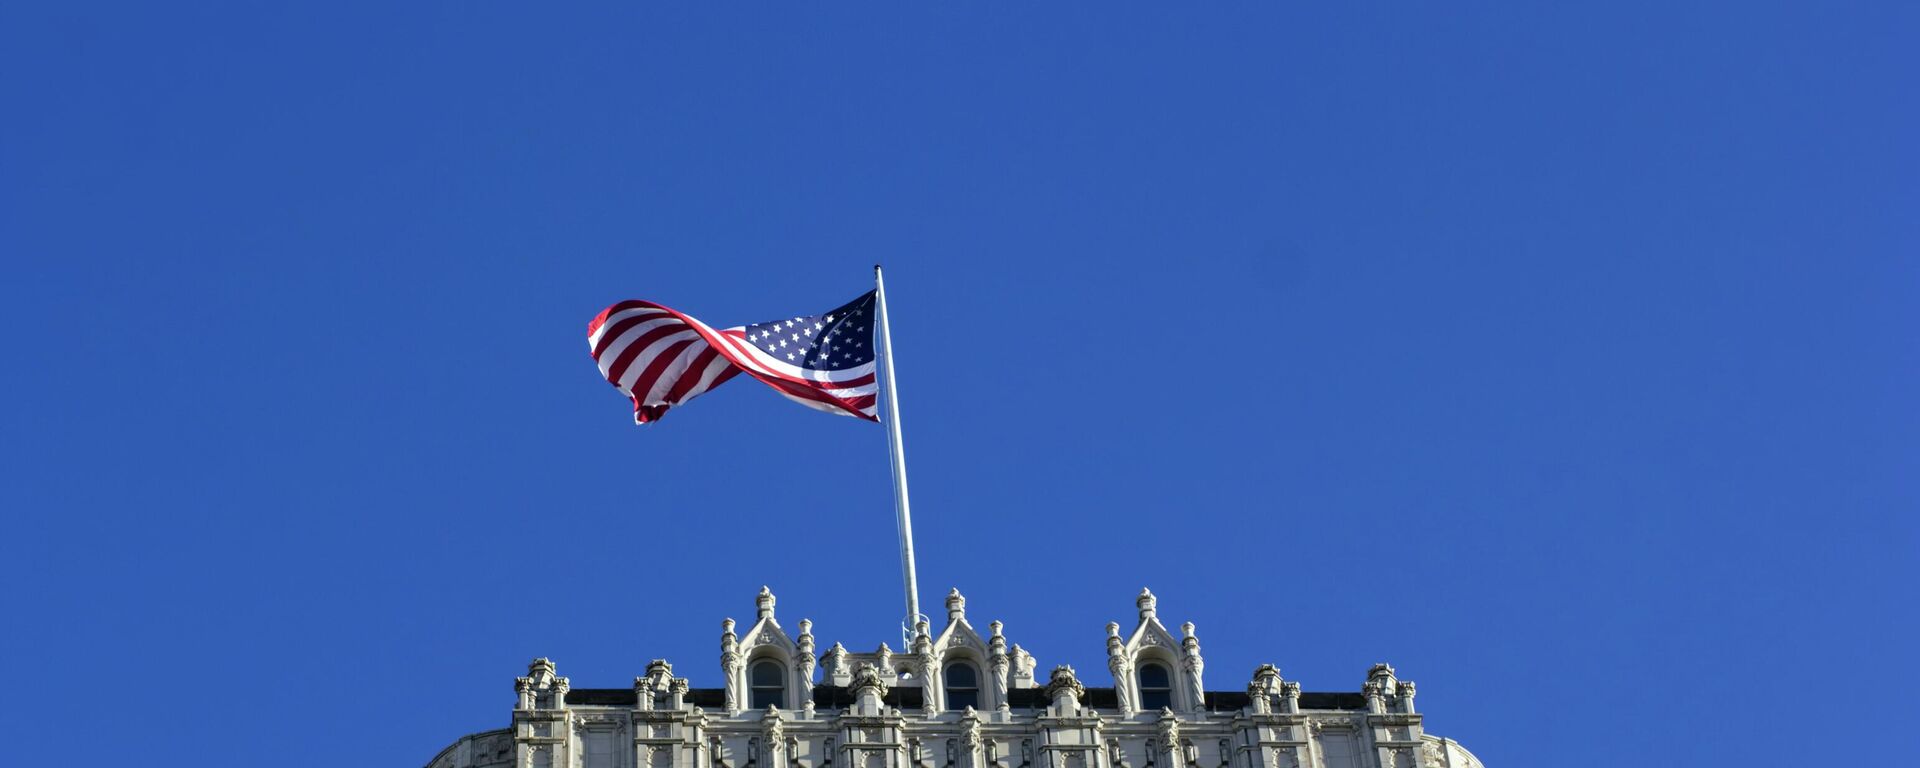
662,358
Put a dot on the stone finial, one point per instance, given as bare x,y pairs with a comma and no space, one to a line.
956,605
996,642
542,671
922,637
970,727
1023,665
867,677
659,668
1264,688
885,655
1147,603
835,661
1196,689
1062,683
764,603
1380,684
643,693
1115,646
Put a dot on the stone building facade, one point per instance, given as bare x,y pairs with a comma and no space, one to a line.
956,699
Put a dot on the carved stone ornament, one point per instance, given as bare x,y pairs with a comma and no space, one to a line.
772,727
1169,728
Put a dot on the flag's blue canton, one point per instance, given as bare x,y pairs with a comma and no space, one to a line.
835,341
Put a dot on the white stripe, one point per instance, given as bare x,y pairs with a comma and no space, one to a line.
849,394
628,337
593,339
647,355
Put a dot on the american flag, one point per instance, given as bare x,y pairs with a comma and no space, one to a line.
662,358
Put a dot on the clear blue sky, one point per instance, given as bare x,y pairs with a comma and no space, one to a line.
1564,358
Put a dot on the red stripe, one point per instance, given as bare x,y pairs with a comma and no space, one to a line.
658,366
808,393
619,368
601,318
614,331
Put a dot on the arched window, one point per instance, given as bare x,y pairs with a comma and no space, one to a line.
963,687
1156,687
769,683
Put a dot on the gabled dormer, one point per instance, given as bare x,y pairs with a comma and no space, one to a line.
1152,669
764,666
973,669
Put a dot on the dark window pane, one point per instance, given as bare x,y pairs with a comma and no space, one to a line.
769,684
958,700
961,676
1156,688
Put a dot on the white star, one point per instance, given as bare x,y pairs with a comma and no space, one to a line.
829,318
783,343
817,326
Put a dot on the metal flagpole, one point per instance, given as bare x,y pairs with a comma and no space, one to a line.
902,517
